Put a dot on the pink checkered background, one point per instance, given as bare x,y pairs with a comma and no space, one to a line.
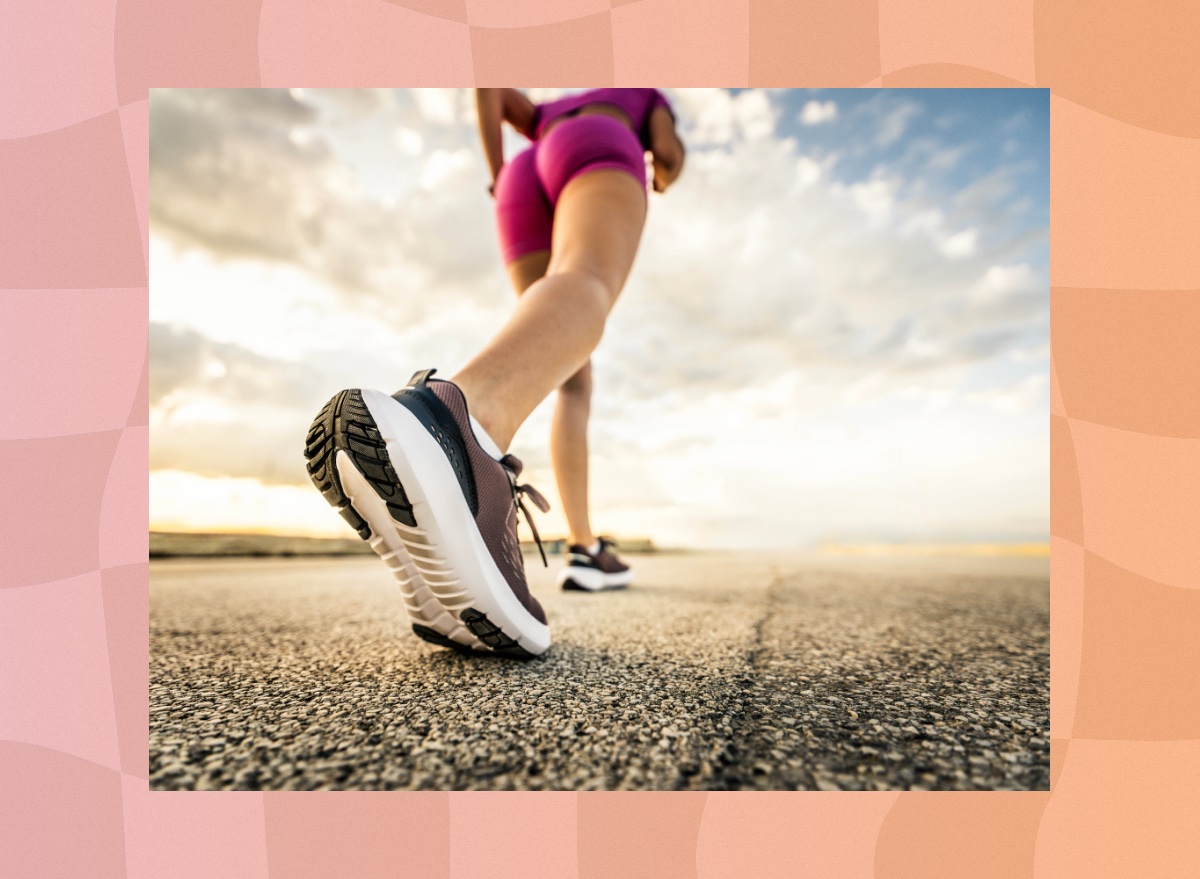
1125,447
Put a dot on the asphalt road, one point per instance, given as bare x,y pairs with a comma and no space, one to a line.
713,672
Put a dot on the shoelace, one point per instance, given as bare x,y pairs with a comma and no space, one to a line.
512,466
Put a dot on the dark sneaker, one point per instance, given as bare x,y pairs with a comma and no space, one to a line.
589,571
409,474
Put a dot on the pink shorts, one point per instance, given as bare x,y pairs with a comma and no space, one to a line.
529,186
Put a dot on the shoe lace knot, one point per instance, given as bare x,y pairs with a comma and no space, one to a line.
512,466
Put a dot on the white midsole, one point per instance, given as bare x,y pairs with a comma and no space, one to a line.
593,579
424,605
446,545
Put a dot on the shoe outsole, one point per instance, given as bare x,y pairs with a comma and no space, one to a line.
349,464
498,642
346,424
581,578
570,585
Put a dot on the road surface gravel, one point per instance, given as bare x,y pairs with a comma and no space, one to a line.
715,671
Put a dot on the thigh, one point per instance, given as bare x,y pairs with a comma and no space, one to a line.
524,215
597,226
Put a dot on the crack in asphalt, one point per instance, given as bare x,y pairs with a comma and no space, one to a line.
731,764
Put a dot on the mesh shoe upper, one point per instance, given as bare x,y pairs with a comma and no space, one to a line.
604,560
487,487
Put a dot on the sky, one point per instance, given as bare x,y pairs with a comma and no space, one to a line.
836,329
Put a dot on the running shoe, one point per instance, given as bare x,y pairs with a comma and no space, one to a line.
409,475
594,569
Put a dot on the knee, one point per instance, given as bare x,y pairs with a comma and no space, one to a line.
578,388
599,286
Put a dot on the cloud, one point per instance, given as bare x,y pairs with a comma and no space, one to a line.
442,106
183,500
182,359
409,141
443,167
874,197
222,410
960,244
1029,393
343,105
1013,293
809,170
782,297
999,281
761,254
894,122
717,116
257,174
545,95
817,112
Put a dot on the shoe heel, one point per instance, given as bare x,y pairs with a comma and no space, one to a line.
345,424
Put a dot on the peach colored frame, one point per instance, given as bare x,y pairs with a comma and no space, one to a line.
1125,441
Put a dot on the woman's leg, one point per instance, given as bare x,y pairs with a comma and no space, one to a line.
559,320
569,425
569,453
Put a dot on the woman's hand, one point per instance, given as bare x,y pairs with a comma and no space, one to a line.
666,149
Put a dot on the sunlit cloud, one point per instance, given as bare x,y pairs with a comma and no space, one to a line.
832,331
817,112
185,501
959,244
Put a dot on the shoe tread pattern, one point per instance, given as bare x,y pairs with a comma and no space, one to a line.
425,633
491,635
346,424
